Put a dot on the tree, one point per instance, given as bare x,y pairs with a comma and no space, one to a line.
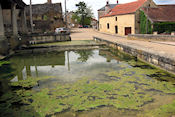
84,55
83,14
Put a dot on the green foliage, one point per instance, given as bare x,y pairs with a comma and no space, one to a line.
162,27
83,14
45,17
84,55
76,18
143,23
4,62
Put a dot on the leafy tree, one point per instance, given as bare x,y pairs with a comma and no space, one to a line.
83,14
84,55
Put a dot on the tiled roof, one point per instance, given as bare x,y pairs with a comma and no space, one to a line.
164,13
110,5
125,8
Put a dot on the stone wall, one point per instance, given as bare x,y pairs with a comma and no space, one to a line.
152,58
3,47
48,38
8,44
152,37
46,17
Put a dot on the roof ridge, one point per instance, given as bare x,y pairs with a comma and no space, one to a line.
125,8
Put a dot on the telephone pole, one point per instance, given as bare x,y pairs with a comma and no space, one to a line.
65,14
31,19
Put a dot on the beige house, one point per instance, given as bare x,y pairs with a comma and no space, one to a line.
123,19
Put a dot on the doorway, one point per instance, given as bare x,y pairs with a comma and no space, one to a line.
127,30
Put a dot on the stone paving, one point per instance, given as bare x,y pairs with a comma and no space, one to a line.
164,49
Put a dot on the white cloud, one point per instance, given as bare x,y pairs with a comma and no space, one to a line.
95,4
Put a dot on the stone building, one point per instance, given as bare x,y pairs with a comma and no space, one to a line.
46,17
12,23
70,22
124,19
104,10
161,20
94,23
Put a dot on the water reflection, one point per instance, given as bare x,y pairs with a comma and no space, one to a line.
53,64
67,66
35,65
84,55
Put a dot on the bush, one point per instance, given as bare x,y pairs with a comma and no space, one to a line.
162,27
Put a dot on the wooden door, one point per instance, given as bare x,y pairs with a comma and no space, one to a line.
127,30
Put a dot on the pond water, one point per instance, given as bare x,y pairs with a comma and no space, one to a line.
85,83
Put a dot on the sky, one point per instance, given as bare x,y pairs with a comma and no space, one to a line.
94,4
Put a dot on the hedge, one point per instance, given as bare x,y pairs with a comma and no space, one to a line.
162,27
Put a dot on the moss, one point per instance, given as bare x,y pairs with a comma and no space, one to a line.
129,92
4,62
29,82
85,96
163,111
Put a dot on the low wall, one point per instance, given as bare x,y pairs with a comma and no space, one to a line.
10,43
3,46
152,37
58,48
160,61
47,38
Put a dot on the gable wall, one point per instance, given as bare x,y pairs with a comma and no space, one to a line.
123,21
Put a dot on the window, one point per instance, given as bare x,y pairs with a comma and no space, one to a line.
107,25
116,29
115,18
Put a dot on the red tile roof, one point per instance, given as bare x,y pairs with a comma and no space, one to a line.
125,8
164,13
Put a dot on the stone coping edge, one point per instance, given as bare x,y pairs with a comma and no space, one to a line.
162,62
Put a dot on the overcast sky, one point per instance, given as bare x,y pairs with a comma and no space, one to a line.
95,4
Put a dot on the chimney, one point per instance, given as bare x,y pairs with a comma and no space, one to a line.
49,1
107,2
107,7
117,1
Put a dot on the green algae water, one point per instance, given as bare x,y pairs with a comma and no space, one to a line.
86,83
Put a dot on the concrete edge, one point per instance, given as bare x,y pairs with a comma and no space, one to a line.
162,62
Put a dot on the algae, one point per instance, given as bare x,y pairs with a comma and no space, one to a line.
164,111
4,62
29,82
90,94
134,87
